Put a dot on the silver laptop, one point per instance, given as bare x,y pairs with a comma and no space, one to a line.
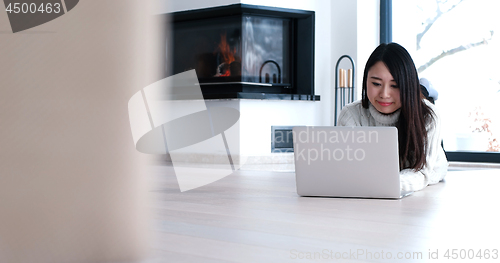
360,162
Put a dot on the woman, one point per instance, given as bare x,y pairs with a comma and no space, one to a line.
391,97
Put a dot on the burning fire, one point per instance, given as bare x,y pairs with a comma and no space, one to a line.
227,55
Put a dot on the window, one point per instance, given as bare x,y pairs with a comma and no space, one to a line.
456,46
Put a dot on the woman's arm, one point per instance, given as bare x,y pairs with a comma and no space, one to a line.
436,163
349,116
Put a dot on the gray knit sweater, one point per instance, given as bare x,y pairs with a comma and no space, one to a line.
436,164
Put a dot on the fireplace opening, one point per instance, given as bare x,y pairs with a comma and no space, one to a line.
244,51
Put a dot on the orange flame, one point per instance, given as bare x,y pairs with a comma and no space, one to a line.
227,53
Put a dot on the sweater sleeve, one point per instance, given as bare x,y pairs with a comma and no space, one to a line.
347,116
436,163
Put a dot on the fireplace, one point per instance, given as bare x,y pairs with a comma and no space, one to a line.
246,51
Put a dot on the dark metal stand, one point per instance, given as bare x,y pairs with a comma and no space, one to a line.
343,95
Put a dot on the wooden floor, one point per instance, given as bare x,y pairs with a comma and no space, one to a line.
256,216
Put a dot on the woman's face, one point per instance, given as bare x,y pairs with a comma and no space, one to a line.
382,90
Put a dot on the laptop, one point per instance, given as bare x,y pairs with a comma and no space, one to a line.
359,162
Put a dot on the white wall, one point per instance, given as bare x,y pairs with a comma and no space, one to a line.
368,35
257,117
343,42
355,32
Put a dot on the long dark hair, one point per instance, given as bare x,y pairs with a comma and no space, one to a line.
414,114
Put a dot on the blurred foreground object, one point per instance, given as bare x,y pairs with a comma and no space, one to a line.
72,186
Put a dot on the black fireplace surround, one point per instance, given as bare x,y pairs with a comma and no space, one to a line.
245,51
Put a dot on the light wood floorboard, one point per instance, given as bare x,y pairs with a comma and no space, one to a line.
256,216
